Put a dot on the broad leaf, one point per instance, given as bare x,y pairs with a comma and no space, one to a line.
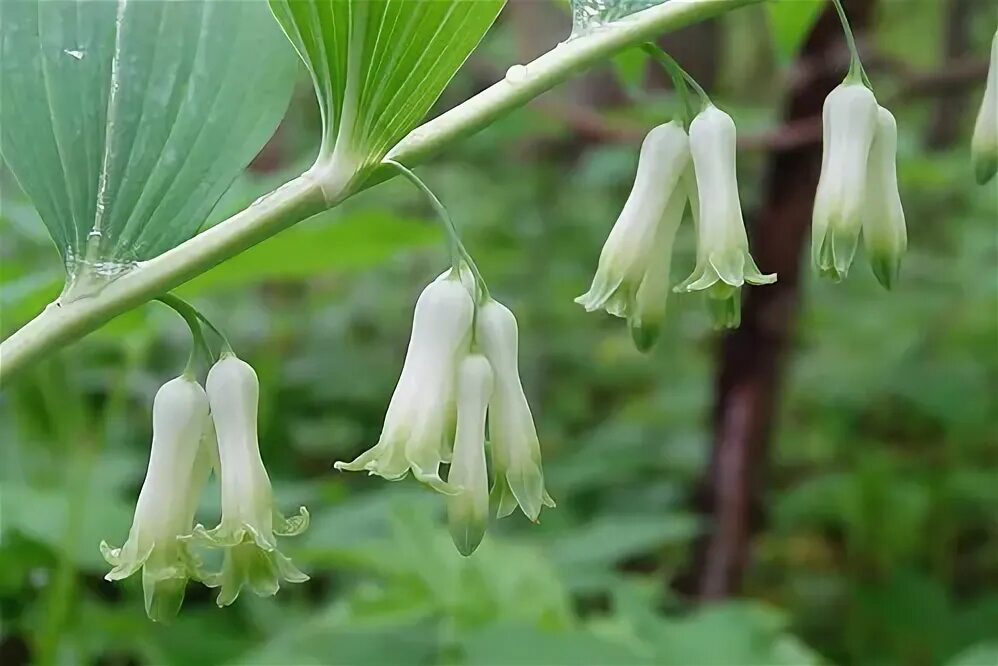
379,65
790,22
124,122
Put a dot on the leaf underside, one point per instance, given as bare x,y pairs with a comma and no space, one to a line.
379,65
124,122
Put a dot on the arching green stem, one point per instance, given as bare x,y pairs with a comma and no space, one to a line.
856,71
676,72
192,317
458,251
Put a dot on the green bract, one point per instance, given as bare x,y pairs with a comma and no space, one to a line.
125,122
378,67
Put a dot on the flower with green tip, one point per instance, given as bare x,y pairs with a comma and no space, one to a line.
179,464
849,124
984,146
632,277
884,233
468,509
250,523
516,451
724,263
419,424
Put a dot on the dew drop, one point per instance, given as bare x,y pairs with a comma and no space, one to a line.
77,54
516,74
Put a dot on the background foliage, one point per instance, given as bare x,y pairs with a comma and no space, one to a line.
881,545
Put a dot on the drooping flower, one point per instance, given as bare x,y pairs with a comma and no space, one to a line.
984,146
516,451
468,509
250,523
849,123
179,464
724,263
646,316
419,423
631,279
884,233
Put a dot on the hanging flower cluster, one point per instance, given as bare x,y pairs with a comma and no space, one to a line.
460,376
676,168
195,430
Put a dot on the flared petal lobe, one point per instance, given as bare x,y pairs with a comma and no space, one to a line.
849,124
179,464
631,245
516,451
884,233
250,523
468,509
419,423
984,146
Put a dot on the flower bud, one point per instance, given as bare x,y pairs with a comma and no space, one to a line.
849,123
635,246
249,520
884,233
984,146
179,464
723,260
516,452
468,509
418,427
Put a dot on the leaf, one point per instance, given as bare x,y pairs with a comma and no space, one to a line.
125,122
378,66
358,241
790,22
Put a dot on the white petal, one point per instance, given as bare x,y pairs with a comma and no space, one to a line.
849,121
624,258
884,233
468,509
985,142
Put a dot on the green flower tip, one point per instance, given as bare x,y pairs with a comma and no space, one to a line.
165,572
725,307
644,335
886,267
467,532
985,167
251,558
248,565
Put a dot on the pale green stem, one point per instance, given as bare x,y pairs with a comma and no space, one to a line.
458,250
680,77
856,70
191,317
317,190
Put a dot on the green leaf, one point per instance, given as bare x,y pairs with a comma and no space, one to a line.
125,122
378,66
790,22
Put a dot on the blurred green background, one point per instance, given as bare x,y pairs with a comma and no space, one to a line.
881,543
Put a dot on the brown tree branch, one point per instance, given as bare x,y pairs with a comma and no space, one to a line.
751,357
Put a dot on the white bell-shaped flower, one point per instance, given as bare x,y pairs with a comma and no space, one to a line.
516,452
641,238
250,523
419,423
648,311
724,263
884,233
179,464
468,509
849,123
984,146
